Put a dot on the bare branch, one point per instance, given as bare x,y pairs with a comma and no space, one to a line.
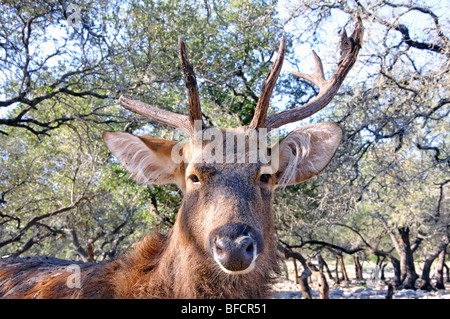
34,221
405,31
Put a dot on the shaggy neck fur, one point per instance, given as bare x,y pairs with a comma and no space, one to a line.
175,267
158,267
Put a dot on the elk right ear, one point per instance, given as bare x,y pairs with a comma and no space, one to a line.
307,151
149,160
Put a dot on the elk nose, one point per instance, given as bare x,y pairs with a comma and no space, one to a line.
235,255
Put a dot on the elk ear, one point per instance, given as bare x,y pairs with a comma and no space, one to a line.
149,160
307,151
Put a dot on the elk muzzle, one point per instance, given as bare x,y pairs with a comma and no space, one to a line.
235,247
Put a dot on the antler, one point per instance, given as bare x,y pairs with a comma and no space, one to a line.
170,118
349,51
195,110
259,117
350,47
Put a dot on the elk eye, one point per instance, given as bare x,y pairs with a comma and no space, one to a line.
194,179
264,178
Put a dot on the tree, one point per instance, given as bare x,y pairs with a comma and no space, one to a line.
46,63
388,181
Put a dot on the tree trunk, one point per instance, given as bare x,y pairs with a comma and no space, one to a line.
77,246
358,268
440,270
295,271
304,287
447,271
426,281
90,250
397,281
382,276
409,275
390,292
381,265
344,271
404,272
286,271
323,264
323,286
336,269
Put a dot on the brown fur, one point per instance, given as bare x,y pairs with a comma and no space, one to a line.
149,271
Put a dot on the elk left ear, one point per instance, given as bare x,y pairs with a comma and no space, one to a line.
149,160
307,151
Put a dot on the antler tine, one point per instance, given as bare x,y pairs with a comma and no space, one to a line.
259,117
186,123
195,111
318,77
350,47
159,115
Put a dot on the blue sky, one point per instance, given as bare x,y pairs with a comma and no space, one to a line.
327,50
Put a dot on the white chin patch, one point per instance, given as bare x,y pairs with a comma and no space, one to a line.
239,272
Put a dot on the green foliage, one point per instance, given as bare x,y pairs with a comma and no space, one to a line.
61,84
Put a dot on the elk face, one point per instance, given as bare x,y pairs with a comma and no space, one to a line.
232,217
230,191
226,211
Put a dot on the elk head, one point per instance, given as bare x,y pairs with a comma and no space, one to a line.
228,175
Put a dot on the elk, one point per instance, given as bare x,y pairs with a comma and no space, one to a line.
222,244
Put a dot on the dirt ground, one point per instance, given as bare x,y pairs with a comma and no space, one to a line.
370,288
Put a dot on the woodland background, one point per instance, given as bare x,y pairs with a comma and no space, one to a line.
63,65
